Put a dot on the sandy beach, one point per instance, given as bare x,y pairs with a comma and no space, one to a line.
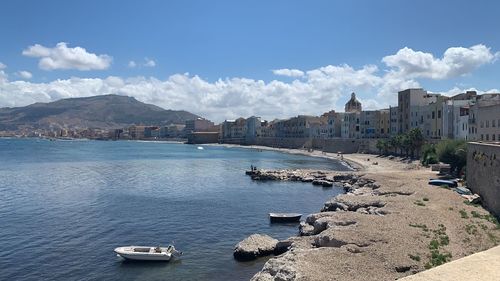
421,226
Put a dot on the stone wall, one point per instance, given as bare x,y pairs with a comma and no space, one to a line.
203,137
328,145
483,173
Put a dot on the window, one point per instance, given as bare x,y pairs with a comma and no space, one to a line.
439,113
487,123
433,115
482,138
481,124
493,123
487,137
493,137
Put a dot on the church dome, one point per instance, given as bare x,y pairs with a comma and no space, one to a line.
353,105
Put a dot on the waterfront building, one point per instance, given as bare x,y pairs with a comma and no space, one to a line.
353,105
254,128
419,109
199,125
394,124
350,125
136,132
295,127
484,118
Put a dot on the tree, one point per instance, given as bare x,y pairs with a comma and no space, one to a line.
416,140
453,152
429,155
382,146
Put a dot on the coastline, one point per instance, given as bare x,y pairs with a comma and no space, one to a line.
414,224
348,161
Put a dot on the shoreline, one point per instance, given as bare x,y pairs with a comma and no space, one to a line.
346,160
394,228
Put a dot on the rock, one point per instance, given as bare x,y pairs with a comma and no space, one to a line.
322,182
282,247
342,177
256,245
306,229
282,269
333,205
307,179
327,184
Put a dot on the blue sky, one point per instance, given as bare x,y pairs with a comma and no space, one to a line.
216,58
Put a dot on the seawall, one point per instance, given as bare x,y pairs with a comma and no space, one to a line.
483,173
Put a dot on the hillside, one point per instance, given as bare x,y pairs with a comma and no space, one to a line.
107,111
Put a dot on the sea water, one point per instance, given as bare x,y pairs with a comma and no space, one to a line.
65,205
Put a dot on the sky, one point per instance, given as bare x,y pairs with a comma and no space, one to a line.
226,59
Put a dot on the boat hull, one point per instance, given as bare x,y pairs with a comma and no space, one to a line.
128,254
284,217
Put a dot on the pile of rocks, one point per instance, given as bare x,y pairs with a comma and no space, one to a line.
320,178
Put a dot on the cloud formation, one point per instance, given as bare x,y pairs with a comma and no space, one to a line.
317,91
456,61
149,63
288,72
132,64
24,74
63,57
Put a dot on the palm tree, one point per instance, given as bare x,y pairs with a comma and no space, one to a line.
416,140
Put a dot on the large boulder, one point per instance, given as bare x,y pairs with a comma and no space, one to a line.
256,245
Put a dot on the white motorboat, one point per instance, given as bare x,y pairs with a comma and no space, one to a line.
145,253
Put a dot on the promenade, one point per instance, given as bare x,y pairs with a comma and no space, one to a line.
484,266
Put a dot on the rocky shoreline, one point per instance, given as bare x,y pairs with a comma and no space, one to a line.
388,224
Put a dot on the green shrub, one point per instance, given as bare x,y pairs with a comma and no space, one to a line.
453,152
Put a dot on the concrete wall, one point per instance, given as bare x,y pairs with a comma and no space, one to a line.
203,137
483,173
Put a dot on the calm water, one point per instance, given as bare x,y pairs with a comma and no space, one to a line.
65,205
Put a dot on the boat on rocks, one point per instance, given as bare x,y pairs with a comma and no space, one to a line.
284,217
146,253
438,182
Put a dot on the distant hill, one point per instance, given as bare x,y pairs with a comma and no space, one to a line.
107,111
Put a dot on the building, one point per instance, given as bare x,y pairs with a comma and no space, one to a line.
136,132
394,124
199,125
422,110
295,127
353,105
254,128
484,120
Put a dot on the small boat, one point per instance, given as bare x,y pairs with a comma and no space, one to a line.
284,217
448,183
200,147
145,253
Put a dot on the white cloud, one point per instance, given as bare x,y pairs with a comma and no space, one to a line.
2,66
456,61
63,57
149,63
24,74
132,64
319,90
288,72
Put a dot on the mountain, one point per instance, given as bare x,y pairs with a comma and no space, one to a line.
107,111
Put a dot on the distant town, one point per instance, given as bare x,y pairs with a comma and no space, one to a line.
465,116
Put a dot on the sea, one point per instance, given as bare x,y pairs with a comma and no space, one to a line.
66,204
